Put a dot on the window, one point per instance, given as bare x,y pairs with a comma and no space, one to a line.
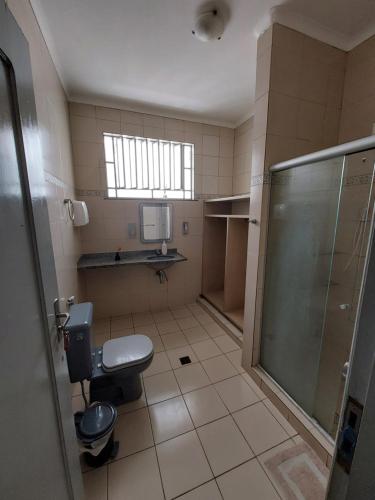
148,168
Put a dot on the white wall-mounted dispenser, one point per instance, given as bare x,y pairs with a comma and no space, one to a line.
78,212
81,214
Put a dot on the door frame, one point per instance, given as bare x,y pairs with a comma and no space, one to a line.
14,52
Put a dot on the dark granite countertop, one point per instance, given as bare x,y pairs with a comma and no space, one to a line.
148,257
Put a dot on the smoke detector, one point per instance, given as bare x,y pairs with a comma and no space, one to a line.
209,26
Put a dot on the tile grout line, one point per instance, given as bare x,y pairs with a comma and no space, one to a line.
182,395
204,451
156,454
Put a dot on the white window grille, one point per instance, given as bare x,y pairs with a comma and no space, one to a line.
138,167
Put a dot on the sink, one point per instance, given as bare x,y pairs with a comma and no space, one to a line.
160,257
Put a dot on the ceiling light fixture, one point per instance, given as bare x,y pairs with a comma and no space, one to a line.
209,26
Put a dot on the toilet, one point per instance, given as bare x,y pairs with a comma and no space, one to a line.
114,369
117,368
114,372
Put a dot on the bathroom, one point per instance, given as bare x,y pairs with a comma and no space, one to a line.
243,283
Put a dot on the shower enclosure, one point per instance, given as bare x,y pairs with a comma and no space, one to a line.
320,213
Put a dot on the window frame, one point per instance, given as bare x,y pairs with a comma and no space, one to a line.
153,193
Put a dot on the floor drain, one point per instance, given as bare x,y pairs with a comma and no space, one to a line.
185,360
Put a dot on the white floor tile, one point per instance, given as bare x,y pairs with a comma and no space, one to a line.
162,316
206,349
235,357
205,406
149,330
204,318
186,323
158,344
196,334
181,312
159,364
214,330
161,387
142,319
174,356
235,393
169,419
191,377
122,333
280,418
224,445
136,477
121,322
95,484
168,327
226,344
219,368
183,465
260,428
133,431
208,491
253,385
247,482
195,308
174,340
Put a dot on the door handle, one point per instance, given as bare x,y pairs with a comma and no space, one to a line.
345,369
344,307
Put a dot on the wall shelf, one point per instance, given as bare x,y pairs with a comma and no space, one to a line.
225,255
228,216
229,198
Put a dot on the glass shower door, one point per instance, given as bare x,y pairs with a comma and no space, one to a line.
303,219
353,226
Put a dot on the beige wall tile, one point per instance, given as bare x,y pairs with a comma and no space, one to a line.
78,109
83,128
108,114
358,113
211,145
56,151
210,165
131,117
132,129
225,186
260,116
263,69
264,41
282,115
226,167
153,121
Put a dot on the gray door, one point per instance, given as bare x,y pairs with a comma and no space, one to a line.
39,459
353,476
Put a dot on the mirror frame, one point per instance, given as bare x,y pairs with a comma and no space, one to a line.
156,205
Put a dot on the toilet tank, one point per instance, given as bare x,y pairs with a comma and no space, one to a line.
78,354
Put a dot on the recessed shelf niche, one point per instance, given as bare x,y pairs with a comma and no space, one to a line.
225,255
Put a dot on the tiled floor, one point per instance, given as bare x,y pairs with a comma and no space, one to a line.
202,431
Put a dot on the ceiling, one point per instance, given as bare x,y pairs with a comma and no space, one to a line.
141,55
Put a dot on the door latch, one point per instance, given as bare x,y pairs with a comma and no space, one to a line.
61,319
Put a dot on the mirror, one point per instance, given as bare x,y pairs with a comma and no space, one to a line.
156,222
